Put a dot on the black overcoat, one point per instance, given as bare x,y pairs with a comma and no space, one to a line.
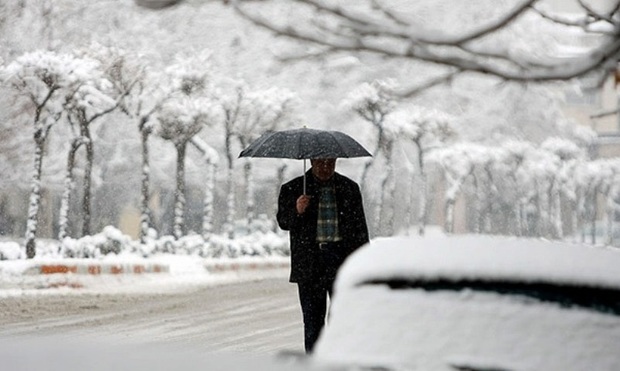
307,262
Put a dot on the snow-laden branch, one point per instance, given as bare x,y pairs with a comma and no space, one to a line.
209,153
585,22
482,49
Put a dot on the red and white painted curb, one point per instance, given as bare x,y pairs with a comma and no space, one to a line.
91,268
96,268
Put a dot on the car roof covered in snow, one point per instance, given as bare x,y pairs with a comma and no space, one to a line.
481,258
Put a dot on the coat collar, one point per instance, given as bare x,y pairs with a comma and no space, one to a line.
313,184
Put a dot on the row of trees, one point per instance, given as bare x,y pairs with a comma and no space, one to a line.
73,91
517,188
551,190
514,187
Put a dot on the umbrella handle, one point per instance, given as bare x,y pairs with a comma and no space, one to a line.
304,176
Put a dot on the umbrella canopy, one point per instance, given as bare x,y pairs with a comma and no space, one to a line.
305,144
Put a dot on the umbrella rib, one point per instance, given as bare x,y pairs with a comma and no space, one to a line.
342,149
299,156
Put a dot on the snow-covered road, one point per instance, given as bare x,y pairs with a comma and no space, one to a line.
259,316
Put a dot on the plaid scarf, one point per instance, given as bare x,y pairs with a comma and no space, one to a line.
327,221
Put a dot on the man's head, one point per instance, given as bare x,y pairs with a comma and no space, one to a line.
323,168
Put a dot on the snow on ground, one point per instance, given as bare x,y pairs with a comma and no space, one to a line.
468,329
185,273
111,262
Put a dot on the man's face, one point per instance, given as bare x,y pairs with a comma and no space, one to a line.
323,168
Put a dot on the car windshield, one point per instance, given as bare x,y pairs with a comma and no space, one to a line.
598,299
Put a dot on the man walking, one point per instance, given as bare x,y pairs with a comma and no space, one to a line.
326,225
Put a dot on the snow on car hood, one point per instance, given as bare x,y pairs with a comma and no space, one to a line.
481,258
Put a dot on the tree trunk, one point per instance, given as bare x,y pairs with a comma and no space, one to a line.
363,182
35,199
387,191
378,215
249,192
371,161
63,222
230,205
477,205
519,225
207,219
145,213
230,199
179,195
594,211
422,212
86,207
387,195
449,223
557,215
88,169
610,211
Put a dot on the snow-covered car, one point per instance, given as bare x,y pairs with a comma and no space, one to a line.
475,303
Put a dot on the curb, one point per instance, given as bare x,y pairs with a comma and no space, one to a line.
96,269
88,268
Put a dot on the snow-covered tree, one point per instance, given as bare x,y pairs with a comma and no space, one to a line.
212,159
248,113
426,129
94,99
608,187
456,162
372,102
511,168
569,155
105,92
231,103
263,110
145,94
482,158
189,107
44,80
69,185
180,119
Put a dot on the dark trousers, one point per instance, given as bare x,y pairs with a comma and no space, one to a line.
313,299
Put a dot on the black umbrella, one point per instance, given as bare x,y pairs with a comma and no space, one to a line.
305,144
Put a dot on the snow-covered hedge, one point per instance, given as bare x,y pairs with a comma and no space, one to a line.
10,251
255,242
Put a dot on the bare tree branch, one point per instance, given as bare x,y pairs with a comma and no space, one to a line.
593,13
586,23
304,56
385,34
390,14
498,24
408,93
